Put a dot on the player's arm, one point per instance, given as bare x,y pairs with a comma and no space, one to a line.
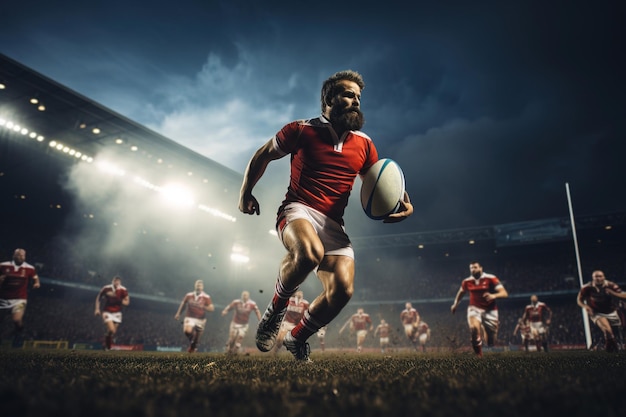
549,311
457,299
126,300
254,171
209,307
227,309
97,309
180,308
614,293
258,313
500,292
581,303
405,210
36,283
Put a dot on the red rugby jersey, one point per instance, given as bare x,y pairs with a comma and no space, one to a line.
16,280
323,166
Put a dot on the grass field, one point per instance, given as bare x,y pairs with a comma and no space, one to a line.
508,384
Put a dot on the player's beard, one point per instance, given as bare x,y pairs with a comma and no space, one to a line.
346,118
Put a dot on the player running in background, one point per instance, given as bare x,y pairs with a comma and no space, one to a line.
382,331
114,297
422,334
482,311
361,324
596,297
321,336
409,318
15,278
295,311
539,315
326,155
239,324
525,331
196,303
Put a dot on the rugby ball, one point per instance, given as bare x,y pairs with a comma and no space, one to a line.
382,189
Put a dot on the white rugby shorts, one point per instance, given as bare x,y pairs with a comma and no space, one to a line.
332,234
114,317
14,304
194,322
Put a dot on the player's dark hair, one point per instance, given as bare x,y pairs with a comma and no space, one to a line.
329,88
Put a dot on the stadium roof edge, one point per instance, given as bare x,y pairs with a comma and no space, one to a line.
12,70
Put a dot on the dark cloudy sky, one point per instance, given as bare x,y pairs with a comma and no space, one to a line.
489,107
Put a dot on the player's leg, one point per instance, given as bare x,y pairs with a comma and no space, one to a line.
491,323
304,253
609,338
423,338
195,338
474,321
475,327
360,338
17,315
336,273
241,333
188,330
111,330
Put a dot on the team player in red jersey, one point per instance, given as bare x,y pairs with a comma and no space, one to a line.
482,311
295,311
410,318
15,278
321,337
422,334
114,297
526,332
239,324
326,154
382,331
596,297
361,324
197,303
539,315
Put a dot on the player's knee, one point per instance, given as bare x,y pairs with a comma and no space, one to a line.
308,257
339,295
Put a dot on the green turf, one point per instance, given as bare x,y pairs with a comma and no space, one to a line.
88,384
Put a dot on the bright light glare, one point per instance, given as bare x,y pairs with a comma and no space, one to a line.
217,213
177,195
239,258
110,168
